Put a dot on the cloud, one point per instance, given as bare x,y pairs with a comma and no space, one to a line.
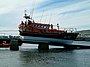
13,5
5,10
75,11
52,4
78,7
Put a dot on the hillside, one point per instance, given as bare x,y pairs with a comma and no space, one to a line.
84,32
84,35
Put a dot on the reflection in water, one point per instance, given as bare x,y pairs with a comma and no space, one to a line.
55,57
52,58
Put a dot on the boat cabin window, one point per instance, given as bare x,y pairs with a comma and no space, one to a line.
35,25
41,26
46,27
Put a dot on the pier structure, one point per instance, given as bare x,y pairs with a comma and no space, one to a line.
15,43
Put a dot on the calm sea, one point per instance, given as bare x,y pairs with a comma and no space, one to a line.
29,56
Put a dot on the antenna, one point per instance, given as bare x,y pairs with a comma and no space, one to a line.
25,12
32,9
50,18
31,12
42,15
26,16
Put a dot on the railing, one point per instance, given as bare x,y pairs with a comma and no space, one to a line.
69,29
65,29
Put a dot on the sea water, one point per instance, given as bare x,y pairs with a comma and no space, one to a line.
30,56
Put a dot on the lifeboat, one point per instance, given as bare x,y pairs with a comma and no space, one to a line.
44,33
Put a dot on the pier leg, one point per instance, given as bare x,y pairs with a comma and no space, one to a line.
19,42
43,47
71,47
14,45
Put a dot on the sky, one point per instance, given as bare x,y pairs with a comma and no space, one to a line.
67,13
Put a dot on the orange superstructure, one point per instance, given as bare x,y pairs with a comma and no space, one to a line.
37,27
31,26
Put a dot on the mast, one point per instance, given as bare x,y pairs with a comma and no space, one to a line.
26,16
31,13
50,18
25,13
32,9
